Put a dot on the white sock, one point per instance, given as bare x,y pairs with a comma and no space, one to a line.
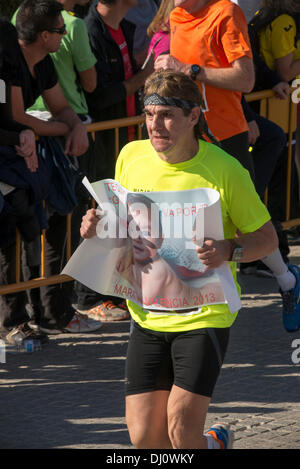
286,281
285,278
212,443
275,263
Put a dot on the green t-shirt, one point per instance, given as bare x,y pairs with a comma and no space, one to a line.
139,169
74,54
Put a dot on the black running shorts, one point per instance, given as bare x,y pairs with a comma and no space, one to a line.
191,360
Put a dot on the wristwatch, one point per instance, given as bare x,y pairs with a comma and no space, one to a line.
194,70
237,252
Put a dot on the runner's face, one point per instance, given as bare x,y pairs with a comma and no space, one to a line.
167,126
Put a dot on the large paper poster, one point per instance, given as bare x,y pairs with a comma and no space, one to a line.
145,249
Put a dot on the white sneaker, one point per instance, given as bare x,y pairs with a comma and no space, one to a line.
80,323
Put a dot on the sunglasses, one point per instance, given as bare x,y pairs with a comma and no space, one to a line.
61,30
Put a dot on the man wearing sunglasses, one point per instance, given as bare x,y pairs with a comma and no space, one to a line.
41,27
74,61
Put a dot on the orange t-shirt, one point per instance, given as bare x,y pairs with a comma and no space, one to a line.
214,37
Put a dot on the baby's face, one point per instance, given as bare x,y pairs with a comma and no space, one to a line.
144,246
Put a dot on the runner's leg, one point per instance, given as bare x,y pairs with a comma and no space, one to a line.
186,419
146,417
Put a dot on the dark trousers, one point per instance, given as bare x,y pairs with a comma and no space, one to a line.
53,301
238,147
56,300
12,306
270,158
266,152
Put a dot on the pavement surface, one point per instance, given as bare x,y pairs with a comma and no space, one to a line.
70,394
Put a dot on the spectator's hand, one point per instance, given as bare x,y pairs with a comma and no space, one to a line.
213,253
167,61
282,90
27,149
253,132
89,223
77,141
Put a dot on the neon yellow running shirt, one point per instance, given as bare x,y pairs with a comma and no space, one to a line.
140,169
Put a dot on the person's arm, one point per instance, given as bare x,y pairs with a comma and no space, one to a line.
40,127
82,55
287,68
76,135
27,149
265,78
9,128
257,245
238,77
76,138
10,132
282,90
17,135
22,139
88,79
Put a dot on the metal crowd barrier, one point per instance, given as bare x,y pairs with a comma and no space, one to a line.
283,113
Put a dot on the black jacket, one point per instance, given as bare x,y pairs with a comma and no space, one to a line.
108,101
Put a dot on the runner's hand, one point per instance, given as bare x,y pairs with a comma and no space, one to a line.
213,253
89,223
